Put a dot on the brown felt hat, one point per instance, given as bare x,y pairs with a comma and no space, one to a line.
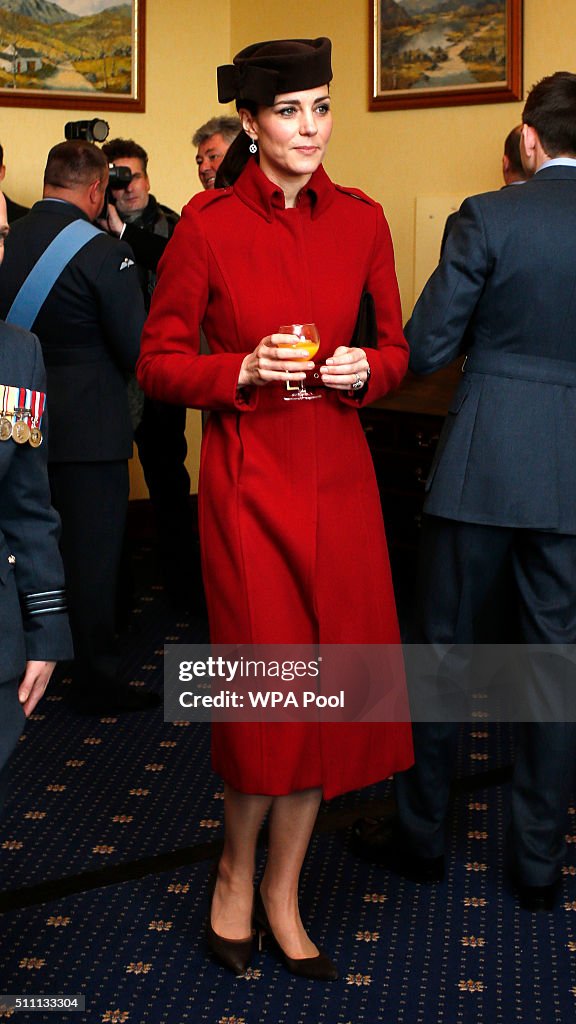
261,71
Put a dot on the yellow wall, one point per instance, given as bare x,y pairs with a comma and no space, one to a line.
405,159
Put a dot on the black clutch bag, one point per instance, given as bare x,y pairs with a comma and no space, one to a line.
365,333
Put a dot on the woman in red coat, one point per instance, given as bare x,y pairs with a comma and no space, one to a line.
293,542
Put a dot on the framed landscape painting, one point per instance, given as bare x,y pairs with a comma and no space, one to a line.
72,53
436,53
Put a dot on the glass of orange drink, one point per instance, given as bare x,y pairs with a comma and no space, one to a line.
306,339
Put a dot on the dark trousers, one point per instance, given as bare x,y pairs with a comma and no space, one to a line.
92,500
462,567
160,437
12,721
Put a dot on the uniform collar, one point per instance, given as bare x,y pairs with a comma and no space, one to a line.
60,207
263,196
555,171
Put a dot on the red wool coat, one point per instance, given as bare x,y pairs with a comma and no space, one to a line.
292,537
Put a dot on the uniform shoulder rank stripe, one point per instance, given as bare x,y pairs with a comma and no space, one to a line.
21,411
46,602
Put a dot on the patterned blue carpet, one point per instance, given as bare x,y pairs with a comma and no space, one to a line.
105,852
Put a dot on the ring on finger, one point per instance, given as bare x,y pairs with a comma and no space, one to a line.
357,382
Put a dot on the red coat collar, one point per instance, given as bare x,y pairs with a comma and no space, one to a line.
263,196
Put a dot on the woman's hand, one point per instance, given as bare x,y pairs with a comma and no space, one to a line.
268,364
345,368
33,683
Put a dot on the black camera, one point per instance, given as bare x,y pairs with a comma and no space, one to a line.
95,130
119,176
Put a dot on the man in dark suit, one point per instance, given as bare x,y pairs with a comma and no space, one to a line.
34,631
502,488
89,328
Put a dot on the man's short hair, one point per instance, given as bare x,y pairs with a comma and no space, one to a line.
512,150
116,149
551,109
226,126
74,164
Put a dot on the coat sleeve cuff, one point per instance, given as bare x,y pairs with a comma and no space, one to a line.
387,369
48,638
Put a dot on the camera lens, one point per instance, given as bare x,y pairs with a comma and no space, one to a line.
99,130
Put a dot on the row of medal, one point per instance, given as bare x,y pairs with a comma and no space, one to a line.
21,415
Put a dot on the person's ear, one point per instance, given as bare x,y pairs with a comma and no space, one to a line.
248,123
530,139
96,195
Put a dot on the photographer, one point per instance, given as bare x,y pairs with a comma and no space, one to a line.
137,208
160,434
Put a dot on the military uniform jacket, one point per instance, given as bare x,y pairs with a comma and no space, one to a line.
89,328
33,621
508,274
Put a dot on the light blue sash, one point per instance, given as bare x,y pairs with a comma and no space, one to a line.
46,271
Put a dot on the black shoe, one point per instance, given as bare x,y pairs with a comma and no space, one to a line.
234,954
380,842
538,898
315,968
112,700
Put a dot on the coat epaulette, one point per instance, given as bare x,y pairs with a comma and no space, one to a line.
209,196
356,193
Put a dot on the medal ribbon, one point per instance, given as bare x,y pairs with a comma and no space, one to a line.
8,401
24,397
11,400
37,401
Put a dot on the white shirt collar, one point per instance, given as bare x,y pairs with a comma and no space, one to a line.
559,161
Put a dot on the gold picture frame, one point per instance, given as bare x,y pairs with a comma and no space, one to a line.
76,54
430,53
